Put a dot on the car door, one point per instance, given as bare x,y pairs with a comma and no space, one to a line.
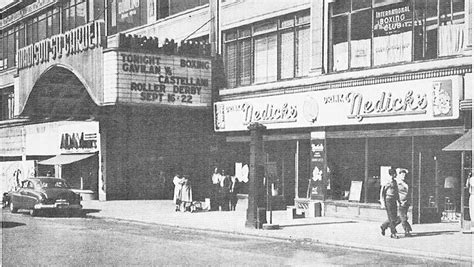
28,196
17,197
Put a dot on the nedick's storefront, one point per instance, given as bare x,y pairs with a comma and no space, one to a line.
122,118
335,146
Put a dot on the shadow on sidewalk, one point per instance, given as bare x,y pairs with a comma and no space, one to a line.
87,211
307,224
11,224
433,233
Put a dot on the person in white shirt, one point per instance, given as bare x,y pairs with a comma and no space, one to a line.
404,196
215,179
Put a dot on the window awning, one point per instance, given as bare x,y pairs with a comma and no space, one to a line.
65,159
463,143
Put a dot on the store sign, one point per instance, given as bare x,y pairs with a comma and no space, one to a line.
27,11
75,41
420,100
392,19
80,137
159,79
392,34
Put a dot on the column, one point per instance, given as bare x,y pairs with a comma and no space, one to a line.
256,172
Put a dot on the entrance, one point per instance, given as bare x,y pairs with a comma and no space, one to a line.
436,188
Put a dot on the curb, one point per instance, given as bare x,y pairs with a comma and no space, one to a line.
349,245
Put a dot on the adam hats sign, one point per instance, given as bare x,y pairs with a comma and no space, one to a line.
420,100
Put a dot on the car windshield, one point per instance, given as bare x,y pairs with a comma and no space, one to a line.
52,184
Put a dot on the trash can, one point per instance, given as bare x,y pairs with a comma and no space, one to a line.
261,217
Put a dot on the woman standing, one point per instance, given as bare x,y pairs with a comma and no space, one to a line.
186,193
178,182
390,198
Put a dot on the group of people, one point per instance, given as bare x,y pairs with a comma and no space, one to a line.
395,199
183,193
224,191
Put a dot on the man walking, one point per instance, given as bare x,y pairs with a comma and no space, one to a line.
389,199
403,192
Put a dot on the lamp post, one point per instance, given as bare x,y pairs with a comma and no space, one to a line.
256,173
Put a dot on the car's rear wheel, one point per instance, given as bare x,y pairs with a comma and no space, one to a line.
13,209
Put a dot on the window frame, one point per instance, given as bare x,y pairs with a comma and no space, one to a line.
234,36
454,17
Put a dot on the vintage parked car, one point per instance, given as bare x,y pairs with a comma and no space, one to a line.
44,193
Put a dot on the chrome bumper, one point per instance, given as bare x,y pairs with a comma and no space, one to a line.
57,206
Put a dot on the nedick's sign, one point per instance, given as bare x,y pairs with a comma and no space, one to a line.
409,101
86,37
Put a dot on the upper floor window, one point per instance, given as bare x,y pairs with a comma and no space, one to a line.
6,103
368,33
74,14
126,14
268,51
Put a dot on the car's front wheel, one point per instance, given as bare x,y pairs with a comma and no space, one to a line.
13,209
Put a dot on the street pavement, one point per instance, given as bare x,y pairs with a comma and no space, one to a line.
439,241
58,240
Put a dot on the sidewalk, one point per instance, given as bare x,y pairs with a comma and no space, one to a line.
441,240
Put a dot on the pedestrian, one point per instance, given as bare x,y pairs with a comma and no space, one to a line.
404,195
178,182
186,193
470,186
224,190
215,179
389,199
233,192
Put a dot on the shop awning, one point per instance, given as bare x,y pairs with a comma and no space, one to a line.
65,159
463,143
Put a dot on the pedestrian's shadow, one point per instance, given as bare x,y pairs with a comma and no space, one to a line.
87,211
11,224
433,233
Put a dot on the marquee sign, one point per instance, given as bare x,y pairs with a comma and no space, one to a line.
77,40
159,79
420,100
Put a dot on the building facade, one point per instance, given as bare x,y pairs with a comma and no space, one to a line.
345,88
115,114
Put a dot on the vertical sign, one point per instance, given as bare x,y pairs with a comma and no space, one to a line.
318,182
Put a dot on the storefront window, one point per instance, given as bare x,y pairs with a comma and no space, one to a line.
272,50
346,161
365,34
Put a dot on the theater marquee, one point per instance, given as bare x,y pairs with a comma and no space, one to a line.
158,79
410,101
